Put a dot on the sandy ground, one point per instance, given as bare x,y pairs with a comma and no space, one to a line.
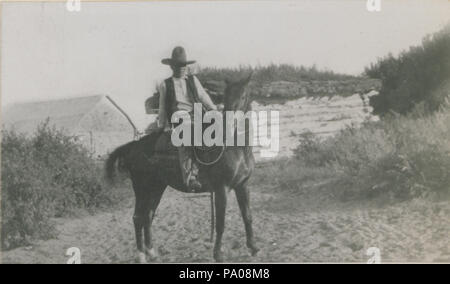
290,227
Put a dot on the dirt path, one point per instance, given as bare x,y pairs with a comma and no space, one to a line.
289,228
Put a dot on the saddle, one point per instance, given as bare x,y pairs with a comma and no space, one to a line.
164,145
165,155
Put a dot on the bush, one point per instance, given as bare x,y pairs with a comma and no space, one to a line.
398,158
44,176
419,75
25,208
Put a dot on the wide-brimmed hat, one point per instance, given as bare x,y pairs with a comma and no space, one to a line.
178,58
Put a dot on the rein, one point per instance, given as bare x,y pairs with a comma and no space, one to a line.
209,163
222,151
213,162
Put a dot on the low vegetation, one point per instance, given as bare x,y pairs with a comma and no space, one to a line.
271,73
44,176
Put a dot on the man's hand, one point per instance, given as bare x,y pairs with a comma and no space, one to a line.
220,107
158,129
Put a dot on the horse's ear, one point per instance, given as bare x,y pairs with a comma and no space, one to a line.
251,97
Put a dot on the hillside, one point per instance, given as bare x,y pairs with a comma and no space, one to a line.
286,82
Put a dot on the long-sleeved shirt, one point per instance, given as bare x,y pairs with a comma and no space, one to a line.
182,98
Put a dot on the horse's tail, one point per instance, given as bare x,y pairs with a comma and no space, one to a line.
117,155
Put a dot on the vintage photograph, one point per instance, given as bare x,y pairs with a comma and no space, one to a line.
225,131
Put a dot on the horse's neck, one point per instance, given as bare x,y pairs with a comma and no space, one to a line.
247,149
247,145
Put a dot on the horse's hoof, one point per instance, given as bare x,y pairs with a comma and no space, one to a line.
151,252
141,258
254,251
218,256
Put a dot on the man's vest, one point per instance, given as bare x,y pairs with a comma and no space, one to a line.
171,101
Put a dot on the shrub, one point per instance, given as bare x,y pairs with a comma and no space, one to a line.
25,207
398,158
44,176
419,75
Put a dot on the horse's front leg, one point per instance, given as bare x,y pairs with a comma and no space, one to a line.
243,198
221,205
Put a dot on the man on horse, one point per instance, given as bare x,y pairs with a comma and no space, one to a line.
180,92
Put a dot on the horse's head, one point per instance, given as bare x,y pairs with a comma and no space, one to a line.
236,95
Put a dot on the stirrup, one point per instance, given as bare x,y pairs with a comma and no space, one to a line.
193,184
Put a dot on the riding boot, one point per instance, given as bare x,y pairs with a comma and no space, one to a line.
189,169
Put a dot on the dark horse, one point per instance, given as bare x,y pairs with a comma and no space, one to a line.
152,165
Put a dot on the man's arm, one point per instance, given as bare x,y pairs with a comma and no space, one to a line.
162,115
203,96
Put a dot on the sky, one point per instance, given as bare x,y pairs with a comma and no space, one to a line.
116,48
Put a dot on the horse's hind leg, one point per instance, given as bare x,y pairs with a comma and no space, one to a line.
138,221
147,199
156,193
221,205
243,198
